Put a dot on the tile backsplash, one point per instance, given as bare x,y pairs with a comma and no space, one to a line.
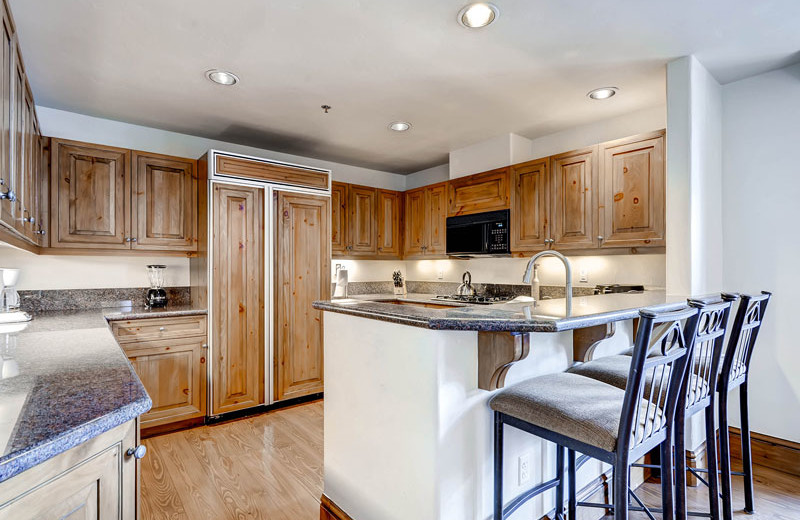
74,299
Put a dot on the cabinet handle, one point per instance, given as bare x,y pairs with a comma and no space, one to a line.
138,452
8,194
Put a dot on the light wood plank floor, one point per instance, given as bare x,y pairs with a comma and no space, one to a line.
270,467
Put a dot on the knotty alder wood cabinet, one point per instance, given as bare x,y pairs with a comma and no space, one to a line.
425,220
607,196
302,270
111,198
21,146
169,356
365,221
95,480
488,191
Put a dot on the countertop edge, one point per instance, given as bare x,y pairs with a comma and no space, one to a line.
152,314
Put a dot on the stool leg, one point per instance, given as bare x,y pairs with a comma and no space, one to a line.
725,458
680,466
572,508
498,466
747,455
711,458
560,486
666,478
621,489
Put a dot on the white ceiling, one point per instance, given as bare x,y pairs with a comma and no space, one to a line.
377,61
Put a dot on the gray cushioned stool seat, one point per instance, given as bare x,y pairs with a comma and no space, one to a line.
579,407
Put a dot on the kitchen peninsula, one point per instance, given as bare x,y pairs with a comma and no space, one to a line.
408,430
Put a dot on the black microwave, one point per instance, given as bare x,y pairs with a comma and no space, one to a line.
479,234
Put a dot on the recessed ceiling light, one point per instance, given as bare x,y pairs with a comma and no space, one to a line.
602,93
222,77
399,126
477,15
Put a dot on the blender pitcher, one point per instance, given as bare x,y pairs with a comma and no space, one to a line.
156,295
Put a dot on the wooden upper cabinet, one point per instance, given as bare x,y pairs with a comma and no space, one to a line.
633,187
415,232
389,210
268,171
6,89
436,207
164,205
19,124
90,196
574,197
362,228
488,191
237,329
339,218
530,205
302,271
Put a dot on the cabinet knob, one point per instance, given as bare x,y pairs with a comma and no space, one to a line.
8,194
133,239
204,345
162,329
138,452
600,238
127,239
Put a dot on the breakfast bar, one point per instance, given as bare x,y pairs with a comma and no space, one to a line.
408,433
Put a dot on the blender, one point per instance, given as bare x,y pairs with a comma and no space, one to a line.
9,297
156,295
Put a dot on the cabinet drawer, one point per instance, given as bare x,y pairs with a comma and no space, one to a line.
158,328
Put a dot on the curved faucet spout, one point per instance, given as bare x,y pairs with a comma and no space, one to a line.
526,278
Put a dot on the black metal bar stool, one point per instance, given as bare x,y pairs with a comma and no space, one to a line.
697,395
733,374
605,422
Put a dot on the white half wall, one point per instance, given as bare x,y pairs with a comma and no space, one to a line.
760,193
433,175
490,154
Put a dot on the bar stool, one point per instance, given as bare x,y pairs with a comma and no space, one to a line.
734,373
600,420
697,395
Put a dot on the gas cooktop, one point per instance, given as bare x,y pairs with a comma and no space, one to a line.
479,300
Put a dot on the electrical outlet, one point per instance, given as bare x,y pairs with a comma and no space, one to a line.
524,468
584,276
440,274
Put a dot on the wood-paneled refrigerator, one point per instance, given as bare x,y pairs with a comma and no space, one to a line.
263,257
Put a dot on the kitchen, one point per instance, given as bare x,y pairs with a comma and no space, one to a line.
291,234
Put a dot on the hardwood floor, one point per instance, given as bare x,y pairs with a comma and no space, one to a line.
270,467
263,467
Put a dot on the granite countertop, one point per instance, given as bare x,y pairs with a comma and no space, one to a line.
541,316
64,380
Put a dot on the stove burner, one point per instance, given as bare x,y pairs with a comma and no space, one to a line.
479,300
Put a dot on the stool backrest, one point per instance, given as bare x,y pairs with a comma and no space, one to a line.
744,333
663,343
709,341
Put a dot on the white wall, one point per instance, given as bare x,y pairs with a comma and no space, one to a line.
694,179
89,272
489,154
433,175
760,194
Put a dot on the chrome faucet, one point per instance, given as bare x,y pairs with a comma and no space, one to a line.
526,278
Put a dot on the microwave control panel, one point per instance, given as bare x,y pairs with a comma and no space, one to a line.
498,237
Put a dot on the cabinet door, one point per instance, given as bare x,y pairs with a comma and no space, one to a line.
90,196
574,182
174,375
486,191
164,202
530,206
303,274
389,220
30,172
632,182
363,232
6,88
19,125
436,206
415,228
237,325
339,218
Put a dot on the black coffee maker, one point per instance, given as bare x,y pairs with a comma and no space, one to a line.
156,295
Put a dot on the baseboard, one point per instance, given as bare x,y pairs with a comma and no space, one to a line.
770,452
328,510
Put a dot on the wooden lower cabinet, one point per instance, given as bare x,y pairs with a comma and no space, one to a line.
96,480
237,297
302,275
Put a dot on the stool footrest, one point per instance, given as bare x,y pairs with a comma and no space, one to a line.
527,495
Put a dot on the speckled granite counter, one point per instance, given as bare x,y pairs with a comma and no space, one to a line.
543,316
138,313
64,380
